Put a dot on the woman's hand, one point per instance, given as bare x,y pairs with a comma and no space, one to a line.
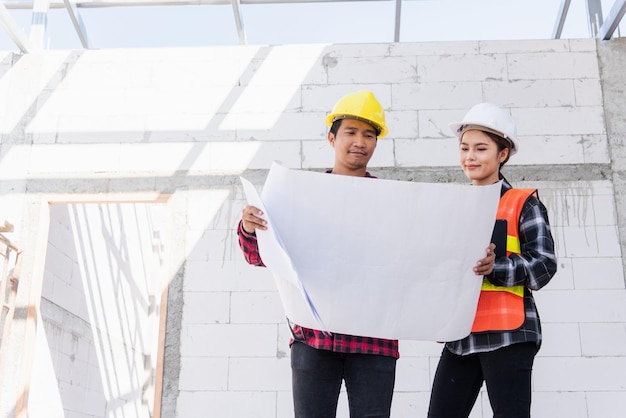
484,266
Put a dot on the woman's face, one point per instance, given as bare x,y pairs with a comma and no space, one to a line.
480,158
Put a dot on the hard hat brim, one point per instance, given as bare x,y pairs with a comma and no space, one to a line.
381,130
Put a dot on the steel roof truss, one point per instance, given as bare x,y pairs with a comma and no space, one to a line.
77,22
396,32
39,24
239,22
612,20
12,29
560,19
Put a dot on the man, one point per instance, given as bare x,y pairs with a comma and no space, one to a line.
321,361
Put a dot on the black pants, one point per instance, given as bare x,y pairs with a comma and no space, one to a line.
317,376
506,372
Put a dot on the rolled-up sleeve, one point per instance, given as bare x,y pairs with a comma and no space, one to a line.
249,246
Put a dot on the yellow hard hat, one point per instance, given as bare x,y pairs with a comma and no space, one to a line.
361,105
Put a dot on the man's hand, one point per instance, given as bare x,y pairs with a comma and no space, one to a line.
484,266
251,219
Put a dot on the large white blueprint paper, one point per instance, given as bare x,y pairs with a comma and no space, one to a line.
275,257
378,258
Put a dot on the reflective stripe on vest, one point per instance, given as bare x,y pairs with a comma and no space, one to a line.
502,308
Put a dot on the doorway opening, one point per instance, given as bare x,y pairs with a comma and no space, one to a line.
102,308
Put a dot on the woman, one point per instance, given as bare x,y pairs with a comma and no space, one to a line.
506,334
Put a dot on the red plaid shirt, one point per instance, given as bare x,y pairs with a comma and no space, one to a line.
315,338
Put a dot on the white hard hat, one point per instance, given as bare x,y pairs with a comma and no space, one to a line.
491,117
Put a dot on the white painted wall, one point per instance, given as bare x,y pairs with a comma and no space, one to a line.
187,122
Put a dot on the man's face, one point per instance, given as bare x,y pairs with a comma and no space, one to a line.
354,144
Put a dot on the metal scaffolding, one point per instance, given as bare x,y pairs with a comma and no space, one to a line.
9,278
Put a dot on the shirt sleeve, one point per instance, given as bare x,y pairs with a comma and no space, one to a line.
536,264
249,246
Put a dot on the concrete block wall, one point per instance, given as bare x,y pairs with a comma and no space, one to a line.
185,123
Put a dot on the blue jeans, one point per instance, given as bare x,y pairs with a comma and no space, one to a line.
506,372
317,376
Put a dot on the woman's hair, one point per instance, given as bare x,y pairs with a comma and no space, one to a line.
502,144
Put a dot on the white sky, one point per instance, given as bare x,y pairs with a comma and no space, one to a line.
326,22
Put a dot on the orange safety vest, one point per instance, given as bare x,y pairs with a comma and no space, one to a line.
502,308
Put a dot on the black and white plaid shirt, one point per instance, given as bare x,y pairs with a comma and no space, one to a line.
532,268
